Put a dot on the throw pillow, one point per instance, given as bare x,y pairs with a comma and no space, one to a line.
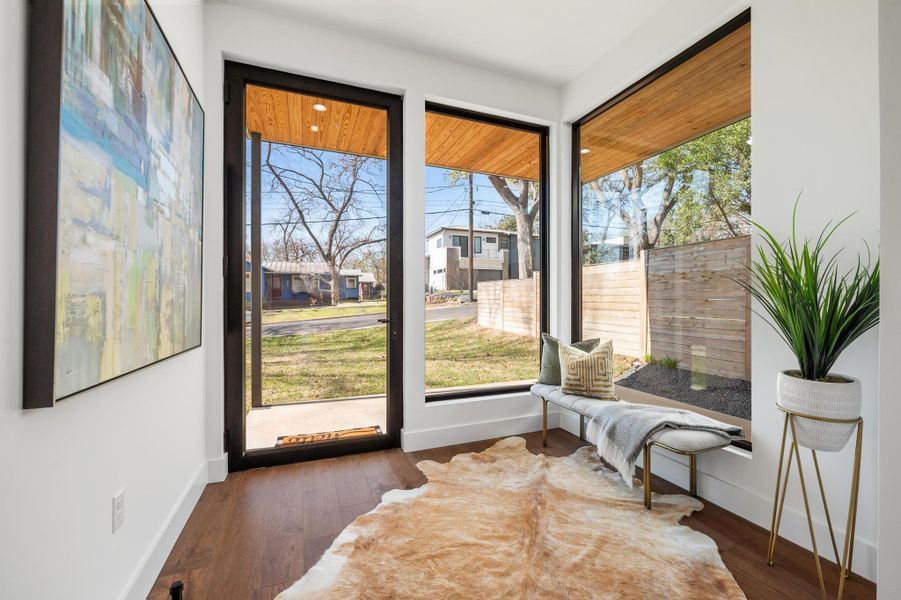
588,373
550,357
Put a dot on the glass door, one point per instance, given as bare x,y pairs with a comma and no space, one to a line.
313,331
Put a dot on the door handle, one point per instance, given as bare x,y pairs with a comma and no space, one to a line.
386,321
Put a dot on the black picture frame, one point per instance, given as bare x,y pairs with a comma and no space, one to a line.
44,90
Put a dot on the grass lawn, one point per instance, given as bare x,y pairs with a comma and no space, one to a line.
344,309
342,364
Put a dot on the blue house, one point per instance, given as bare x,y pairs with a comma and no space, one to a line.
287,283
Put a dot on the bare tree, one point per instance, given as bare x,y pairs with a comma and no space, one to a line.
285,242
525,204
327,198
625,197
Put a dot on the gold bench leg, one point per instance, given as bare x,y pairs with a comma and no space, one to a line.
544,423
647,477
693,474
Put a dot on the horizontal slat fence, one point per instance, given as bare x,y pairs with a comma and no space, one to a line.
613,305
510,305
680,302
697,313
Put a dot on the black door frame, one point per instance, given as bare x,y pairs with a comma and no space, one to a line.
237,76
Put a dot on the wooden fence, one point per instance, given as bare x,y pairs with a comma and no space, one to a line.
696,312
613,305
680,302
510,305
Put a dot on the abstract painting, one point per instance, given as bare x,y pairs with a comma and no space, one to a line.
129,202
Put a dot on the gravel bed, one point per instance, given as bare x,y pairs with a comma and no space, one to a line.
721,394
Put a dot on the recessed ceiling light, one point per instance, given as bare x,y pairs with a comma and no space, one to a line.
314,128
320,107
584,151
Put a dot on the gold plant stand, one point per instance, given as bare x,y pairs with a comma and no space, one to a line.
782,486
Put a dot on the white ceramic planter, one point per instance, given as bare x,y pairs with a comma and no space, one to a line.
820,399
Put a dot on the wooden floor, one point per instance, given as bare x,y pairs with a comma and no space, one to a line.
253,535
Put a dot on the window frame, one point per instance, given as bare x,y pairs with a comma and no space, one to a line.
575,164
461,242
543,132
476,244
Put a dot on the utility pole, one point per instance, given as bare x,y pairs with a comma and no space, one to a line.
472,245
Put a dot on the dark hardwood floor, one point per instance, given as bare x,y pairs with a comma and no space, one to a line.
253,535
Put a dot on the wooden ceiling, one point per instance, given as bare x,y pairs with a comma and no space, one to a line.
451,142
708,91
457,143
287,117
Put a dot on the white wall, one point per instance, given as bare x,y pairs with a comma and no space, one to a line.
61,466
815,128
890,241
262,39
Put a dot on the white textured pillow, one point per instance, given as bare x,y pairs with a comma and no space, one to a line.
587,373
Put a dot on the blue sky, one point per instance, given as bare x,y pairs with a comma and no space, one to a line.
446,205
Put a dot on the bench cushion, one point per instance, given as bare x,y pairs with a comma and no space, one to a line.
684,440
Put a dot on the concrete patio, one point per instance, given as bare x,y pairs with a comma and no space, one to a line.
265,425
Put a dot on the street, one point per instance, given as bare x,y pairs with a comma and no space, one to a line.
440,312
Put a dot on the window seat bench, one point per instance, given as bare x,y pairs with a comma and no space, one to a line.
679,441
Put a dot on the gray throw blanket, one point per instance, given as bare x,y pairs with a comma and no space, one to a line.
625,428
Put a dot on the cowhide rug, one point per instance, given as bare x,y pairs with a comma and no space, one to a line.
508,524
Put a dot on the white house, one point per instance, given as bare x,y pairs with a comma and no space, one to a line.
447,256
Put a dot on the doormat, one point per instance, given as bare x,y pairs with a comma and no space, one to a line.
326,436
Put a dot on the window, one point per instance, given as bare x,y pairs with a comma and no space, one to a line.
297,284
488,174
505,243
461,242
277,282
661,233
439,242
351,282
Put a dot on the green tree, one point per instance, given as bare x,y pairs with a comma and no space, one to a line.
698,191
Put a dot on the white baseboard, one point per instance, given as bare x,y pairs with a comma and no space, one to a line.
438,437
148,569
758,510
217,469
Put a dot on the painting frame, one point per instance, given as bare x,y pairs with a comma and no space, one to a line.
46,22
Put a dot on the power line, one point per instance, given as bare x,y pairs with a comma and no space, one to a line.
442,212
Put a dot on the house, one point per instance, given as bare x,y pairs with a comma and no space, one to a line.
156,438
288,283
495,257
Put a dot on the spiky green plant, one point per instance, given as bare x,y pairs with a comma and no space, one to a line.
817,310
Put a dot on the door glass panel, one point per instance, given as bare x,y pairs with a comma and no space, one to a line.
316,270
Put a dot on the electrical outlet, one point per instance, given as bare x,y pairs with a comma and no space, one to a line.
118,510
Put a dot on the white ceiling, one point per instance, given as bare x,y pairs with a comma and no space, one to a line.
551,41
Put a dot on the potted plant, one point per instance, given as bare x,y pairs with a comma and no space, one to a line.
818,311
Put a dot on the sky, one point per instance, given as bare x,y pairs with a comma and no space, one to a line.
446,205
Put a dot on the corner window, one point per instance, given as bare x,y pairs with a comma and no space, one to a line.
484,317
351,282
663,178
